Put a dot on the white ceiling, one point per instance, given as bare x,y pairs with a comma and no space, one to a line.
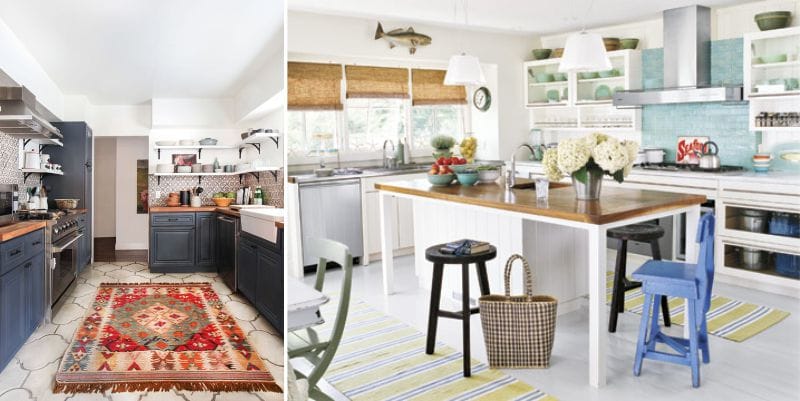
521,16
128,52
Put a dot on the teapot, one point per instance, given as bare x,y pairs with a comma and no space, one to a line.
709,160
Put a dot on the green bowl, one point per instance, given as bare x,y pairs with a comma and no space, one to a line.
589,75
773,20
460,168
774,58
552,95
559,76
544,77
440,180
467,179
602,93
541,54
609,73
628,43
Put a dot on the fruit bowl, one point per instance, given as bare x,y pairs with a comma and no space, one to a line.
440,180
468,178
222,202
488,176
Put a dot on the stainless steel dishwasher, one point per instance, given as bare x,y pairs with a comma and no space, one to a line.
332,210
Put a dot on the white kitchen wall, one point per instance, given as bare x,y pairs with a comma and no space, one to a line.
336,38
132,227
105,196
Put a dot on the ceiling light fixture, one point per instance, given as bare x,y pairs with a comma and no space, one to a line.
584,51
464,69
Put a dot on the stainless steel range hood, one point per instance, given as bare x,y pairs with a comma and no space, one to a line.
21,116
687,64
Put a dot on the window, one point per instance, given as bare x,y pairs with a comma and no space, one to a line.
370,122
301,128
430,121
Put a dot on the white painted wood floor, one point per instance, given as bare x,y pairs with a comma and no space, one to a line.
765,367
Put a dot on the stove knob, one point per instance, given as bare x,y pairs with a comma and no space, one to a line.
56,230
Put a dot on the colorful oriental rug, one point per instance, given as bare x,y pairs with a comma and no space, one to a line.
158,337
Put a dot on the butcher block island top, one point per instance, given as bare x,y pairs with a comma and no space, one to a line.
615,204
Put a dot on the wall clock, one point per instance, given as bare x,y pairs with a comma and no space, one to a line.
482,98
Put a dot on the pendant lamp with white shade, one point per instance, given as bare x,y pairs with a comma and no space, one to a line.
464,69
584,52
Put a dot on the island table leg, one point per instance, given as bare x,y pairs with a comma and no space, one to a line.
598,336
387,204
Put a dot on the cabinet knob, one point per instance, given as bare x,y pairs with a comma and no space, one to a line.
29,264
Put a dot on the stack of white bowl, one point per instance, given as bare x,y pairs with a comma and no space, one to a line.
761,162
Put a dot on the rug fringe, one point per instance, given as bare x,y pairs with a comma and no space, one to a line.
228,386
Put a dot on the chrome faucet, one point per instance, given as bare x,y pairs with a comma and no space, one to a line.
511,176
389,162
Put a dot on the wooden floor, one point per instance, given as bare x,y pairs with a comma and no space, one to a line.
104,251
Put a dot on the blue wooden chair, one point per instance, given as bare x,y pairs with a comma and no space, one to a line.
685,280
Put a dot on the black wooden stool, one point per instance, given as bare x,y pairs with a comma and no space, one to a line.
440,259
634,232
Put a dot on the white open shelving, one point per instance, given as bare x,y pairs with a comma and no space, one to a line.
253,171
770,43
577,109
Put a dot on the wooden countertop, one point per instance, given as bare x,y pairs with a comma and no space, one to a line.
15,230
615,204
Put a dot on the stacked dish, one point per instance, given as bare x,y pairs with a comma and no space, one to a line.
165,168
761,162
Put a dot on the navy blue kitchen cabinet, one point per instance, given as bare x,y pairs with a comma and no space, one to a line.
261,276
22,302
182,242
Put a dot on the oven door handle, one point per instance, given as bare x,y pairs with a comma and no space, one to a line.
60,248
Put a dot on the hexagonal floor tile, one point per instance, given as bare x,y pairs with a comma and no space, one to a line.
67,313
12,376
242,311
16,394
38,354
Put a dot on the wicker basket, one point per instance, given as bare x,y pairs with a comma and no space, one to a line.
518,330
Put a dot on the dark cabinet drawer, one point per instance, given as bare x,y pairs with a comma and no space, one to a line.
34,243
12,253
172,219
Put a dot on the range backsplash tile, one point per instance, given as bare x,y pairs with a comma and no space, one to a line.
211,184
725,124
9,165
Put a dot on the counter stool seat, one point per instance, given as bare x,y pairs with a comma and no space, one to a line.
439,259
643,232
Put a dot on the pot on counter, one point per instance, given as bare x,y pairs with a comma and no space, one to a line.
709,159
654,155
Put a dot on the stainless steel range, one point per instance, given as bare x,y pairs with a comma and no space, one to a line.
689,167
64,230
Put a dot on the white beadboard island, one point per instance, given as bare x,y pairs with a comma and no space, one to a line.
565,239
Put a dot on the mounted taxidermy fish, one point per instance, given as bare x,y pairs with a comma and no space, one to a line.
403,37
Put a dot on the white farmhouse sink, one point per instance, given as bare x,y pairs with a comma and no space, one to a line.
261,222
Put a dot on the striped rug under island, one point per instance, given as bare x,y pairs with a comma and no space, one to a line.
382,358
727,318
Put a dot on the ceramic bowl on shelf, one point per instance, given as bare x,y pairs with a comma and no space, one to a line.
609,73
440,180
602,93
557,52
589,75
541,54
165,168
184,169
187,142
559,76
628,43
208,168
197,168
773,20
774,58
165,143
544,77
208,142
552,95
611,44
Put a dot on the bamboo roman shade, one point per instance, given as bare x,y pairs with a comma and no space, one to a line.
314,86
428,88
376,82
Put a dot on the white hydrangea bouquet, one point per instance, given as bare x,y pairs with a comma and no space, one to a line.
593,155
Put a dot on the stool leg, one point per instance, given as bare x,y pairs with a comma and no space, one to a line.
618,291
483,278
656,251
433,312
465,317
704,340
693,340
640,343
654,329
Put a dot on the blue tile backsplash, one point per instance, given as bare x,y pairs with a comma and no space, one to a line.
725,124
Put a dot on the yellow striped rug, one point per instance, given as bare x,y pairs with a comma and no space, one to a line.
727,318
382,358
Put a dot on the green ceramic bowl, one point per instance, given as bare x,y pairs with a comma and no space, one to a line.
467,179
774,58
460,168
609,73
559,76
552,95
440,180
773,20
602,93
628,43
589,75
541,54
544,77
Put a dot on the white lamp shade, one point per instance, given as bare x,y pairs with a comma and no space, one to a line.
464,70
584,51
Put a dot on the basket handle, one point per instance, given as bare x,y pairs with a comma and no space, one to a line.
526,269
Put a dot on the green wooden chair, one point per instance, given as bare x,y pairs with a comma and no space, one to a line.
307,343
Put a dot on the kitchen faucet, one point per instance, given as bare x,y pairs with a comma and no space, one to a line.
389,162
511,178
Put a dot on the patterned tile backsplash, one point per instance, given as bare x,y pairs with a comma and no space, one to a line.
211,184
9,165
726,124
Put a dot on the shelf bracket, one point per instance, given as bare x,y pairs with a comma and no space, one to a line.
275,174
158,180
159,154
199,153
199,179
254,174
275,139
